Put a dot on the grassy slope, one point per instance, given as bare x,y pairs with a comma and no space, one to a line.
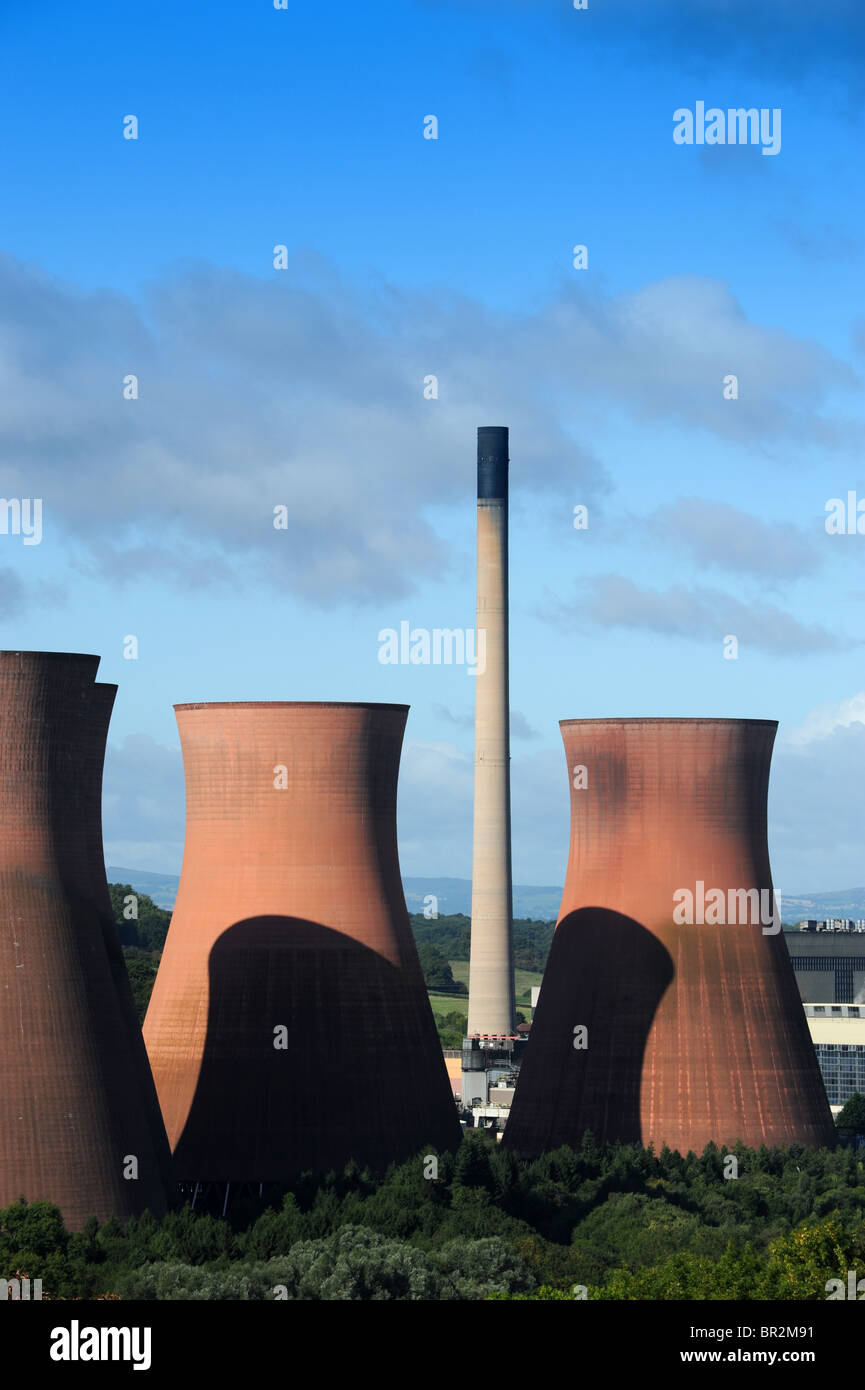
445,1003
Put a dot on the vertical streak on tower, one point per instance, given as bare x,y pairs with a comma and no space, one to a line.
491,981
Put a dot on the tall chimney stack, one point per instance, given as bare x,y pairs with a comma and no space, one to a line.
491,979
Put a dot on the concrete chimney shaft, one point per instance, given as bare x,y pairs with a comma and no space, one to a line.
491,979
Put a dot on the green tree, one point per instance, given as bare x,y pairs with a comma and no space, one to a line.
141,967
437,970
472,1167
802,1261
479,1268
851,1119
149,929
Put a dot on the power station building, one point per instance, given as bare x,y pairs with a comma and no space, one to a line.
669,1012
838,1034
79,1125
829,966
289,1027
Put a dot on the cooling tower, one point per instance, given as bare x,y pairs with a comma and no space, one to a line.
491,973
289,1026
694,1029
73,1119
94,892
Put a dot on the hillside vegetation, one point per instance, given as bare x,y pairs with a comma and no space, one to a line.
621,1221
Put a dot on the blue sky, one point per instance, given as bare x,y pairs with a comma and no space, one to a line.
452,257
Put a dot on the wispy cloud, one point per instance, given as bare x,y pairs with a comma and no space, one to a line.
822,722
790,40
728,538
143,804
695,613
520,726
301,390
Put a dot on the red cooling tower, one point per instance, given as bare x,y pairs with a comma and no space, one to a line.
289,1026
694,1029
94,890
73,1116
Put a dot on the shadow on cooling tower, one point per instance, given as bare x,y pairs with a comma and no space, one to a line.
317,1052
607,972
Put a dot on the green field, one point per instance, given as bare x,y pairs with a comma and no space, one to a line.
525,979
449,1003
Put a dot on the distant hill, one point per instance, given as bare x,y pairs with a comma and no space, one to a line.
454,894
539,903
848,902
162,888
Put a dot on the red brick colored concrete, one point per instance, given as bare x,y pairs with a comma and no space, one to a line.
290,916
695,1032
94,889
71,1109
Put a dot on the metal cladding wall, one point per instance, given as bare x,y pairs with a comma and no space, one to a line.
695,1032
71,1109
289,1026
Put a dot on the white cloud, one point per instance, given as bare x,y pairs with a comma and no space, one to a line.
821,722
307,391
815,812
727,538
694,612
143,805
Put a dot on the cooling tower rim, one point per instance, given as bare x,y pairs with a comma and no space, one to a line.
662,721
289,704
53,656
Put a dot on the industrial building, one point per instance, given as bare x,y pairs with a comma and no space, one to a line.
490,1071
838,1034
78,1125
289,1027
829,966
653,1029
833,924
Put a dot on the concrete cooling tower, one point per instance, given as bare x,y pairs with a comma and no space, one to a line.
669,1012
77,1126
93,889
289,1026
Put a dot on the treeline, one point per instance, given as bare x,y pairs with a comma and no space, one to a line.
140,922
142,928
451,937
621,1221
437,971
